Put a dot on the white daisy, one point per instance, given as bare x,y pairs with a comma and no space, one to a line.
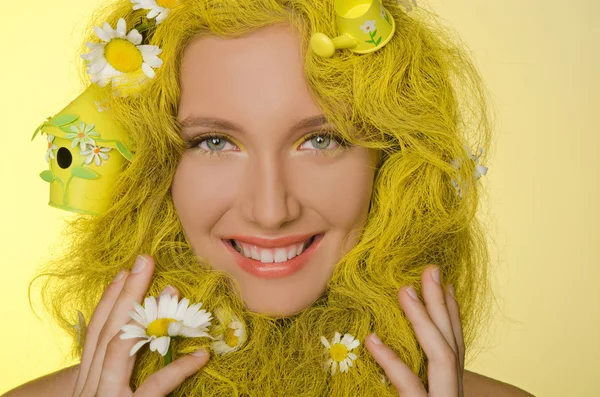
51,147
119,58
81,135
232,337
158,8
170,319
339,352
382,11
95,152
368,26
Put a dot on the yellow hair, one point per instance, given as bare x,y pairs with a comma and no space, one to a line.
418,100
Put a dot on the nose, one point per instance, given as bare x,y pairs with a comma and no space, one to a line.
267,199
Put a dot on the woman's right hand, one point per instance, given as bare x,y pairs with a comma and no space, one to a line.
106,367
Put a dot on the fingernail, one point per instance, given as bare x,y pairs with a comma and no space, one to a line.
436,275
168,290
375,339
413,294
119,276
451,289
140,263
200,353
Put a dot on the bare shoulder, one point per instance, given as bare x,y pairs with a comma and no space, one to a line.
476,385
59,383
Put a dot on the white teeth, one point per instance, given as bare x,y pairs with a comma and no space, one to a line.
280,255
270,255
299,249
291,252
254,254
247,252
266,256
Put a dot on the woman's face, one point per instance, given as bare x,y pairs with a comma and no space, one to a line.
261,182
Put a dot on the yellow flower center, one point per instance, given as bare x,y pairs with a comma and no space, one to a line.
159,327
123,55
230,338
166,3
81,135
338,352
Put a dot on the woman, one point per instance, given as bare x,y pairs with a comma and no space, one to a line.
251,142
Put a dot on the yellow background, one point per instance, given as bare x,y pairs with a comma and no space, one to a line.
540,60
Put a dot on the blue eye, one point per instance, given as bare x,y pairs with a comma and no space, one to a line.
216,143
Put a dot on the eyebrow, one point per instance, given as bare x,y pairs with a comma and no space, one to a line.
215,122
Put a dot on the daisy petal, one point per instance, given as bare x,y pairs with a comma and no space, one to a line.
343,366
353,345
121,28
325,342
148,70
336,338
102,34
139,319
132,330
137,347
175,328
347,339
151,310
161,345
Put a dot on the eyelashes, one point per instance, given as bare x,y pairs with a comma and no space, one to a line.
328,136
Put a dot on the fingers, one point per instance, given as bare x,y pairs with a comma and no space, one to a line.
118,364
454,313
402,377
435,302
442,366
93,329
164,381
134,289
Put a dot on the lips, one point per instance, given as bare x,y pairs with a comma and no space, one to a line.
275,269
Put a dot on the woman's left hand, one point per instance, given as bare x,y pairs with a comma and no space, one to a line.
439,331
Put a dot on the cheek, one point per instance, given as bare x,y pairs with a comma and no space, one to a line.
202,192
340,192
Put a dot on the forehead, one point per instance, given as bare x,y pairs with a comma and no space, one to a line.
260,75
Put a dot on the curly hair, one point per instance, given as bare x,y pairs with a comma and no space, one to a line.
419,101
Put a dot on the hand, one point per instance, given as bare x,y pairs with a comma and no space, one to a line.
439,331
106,366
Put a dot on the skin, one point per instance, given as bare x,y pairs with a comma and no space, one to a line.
267,181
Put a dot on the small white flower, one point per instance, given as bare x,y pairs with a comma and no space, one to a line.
95,152
382,10
232,337
120,58
479,169
170,319
82,135
339,352
368,26
51,147
158,8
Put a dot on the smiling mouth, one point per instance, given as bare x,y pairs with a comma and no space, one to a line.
272,255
